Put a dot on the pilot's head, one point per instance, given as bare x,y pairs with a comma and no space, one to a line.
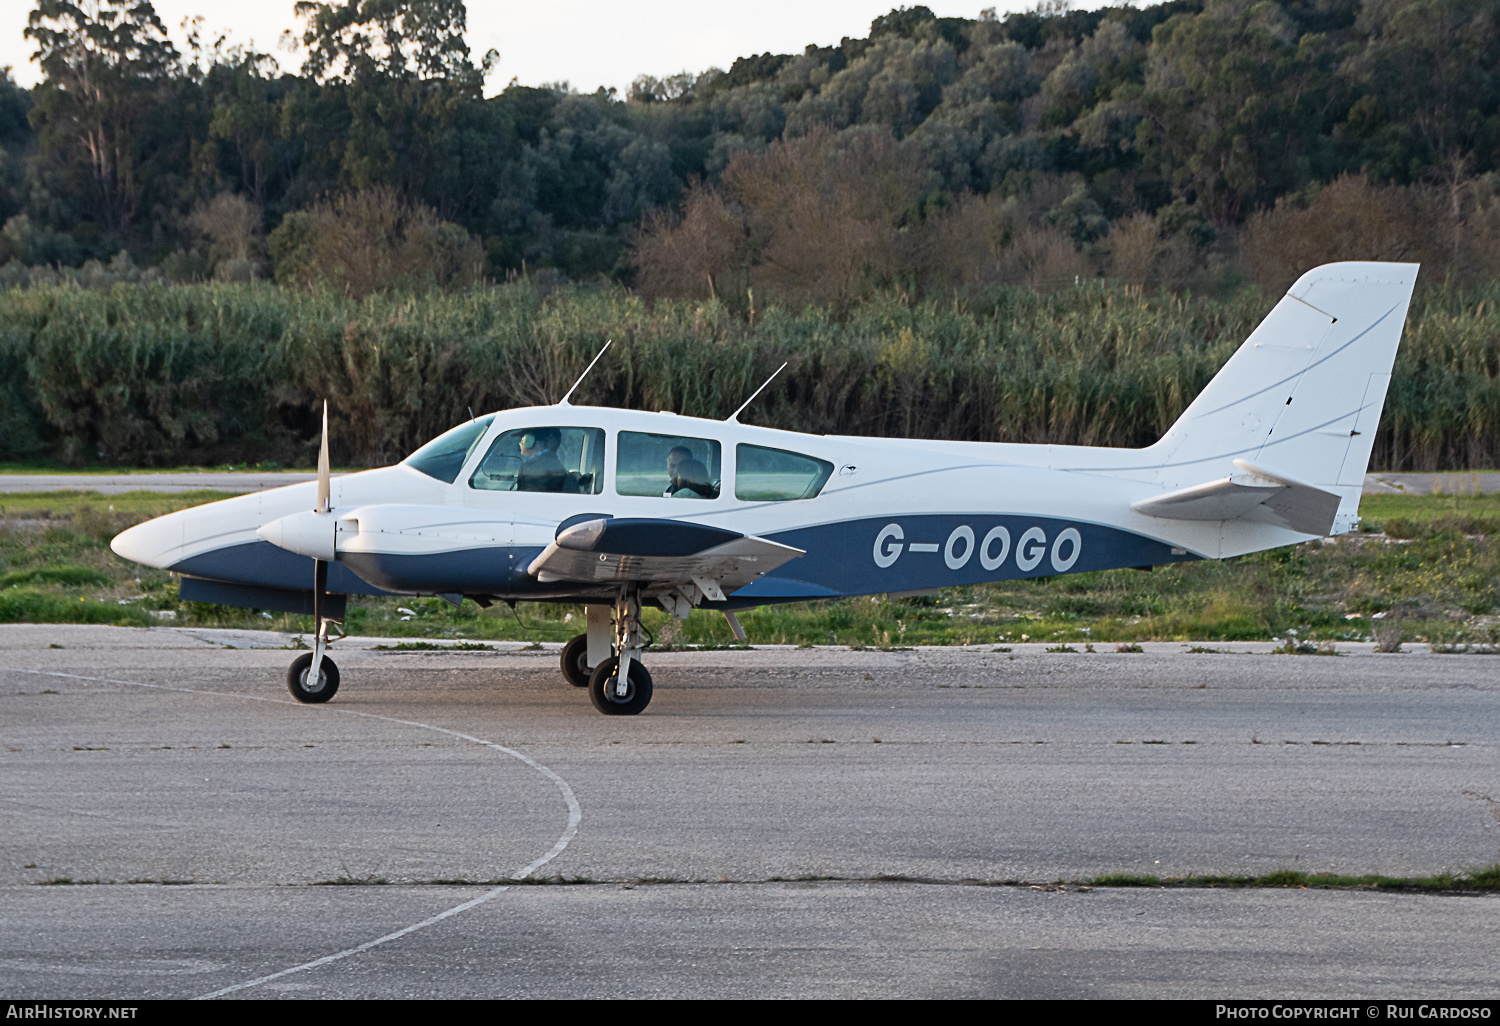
529,444
675,458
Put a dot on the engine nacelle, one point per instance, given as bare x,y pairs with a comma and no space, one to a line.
307,534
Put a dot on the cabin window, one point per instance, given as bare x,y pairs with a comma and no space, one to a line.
566,460
667,465
775,475
445,455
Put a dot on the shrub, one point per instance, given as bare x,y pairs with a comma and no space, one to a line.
372,241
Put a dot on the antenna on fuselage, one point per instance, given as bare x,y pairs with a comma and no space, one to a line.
564,400
734,418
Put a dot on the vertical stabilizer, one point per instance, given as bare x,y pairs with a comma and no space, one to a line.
1303,394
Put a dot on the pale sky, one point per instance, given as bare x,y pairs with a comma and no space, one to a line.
587,43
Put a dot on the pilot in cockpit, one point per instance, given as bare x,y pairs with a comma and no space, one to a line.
541,470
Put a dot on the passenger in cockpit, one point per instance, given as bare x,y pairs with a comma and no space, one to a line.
690,481
675,457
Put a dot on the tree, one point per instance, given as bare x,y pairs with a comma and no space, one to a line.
1235,105
1430,74
15,140
397,79
243,126
102,60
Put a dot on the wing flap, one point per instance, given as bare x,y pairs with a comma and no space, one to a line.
1257,494
658,553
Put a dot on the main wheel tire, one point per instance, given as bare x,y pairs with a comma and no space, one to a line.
575,661
325,687
602,688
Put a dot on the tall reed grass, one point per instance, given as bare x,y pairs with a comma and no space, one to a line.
154,375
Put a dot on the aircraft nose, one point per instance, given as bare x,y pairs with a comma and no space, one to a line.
151,543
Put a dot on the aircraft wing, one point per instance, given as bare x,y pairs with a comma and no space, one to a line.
1258,494
661,553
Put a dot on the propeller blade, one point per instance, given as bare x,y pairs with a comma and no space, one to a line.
323,482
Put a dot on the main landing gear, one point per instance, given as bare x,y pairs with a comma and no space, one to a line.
608,661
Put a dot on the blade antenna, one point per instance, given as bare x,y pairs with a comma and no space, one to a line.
734,418
323,483
564,400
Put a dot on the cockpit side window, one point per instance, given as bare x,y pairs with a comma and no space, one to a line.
670,466
445,455
776,475
569,460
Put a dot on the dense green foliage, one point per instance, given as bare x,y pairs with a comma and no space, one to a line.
1195,113
143,375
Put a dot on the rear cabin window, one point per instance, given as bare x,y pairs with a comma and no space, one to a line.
775,475
445,455
669,466
567,460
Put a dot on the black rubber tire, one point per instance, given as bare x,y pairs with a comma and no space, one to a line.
296,679
602,688
575,661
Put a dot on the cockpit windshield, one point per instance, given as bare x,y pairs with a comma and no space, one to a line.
445,455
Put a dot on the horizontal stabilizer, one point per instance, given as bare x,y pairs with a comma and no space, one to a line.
1257,494
658,553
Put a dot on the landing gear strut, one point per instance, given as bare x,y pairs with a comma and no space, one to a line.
621,685
314,677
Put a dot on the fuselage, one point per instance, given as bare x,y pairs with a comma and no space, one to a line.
890,515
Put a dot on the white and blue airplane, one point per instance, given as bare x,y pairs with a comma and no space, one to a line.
615,508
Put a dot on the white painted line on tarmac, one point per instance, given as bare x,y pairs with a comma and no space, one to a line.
575,816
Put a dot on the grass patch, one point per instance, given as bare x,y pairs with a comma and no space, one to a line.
428,646
1485,879
18,605
353,881
70,575
1465,648
142,505
1296,646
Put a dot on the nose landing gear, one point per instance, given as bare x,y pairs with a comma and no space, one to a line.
305,688
313,677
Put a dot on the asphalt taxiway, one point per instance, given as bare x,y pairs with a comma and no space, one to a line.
780,822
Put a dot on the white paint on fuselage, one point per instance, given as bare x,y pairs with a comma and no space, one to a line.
403,511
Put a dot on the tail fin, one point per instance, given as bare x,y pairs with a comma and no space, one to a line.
1302,396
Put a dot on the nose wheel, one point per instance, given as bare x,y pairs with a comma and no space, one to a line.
306,688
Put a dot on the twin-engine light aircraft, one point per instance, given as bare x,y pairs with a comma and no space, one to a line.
615,509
